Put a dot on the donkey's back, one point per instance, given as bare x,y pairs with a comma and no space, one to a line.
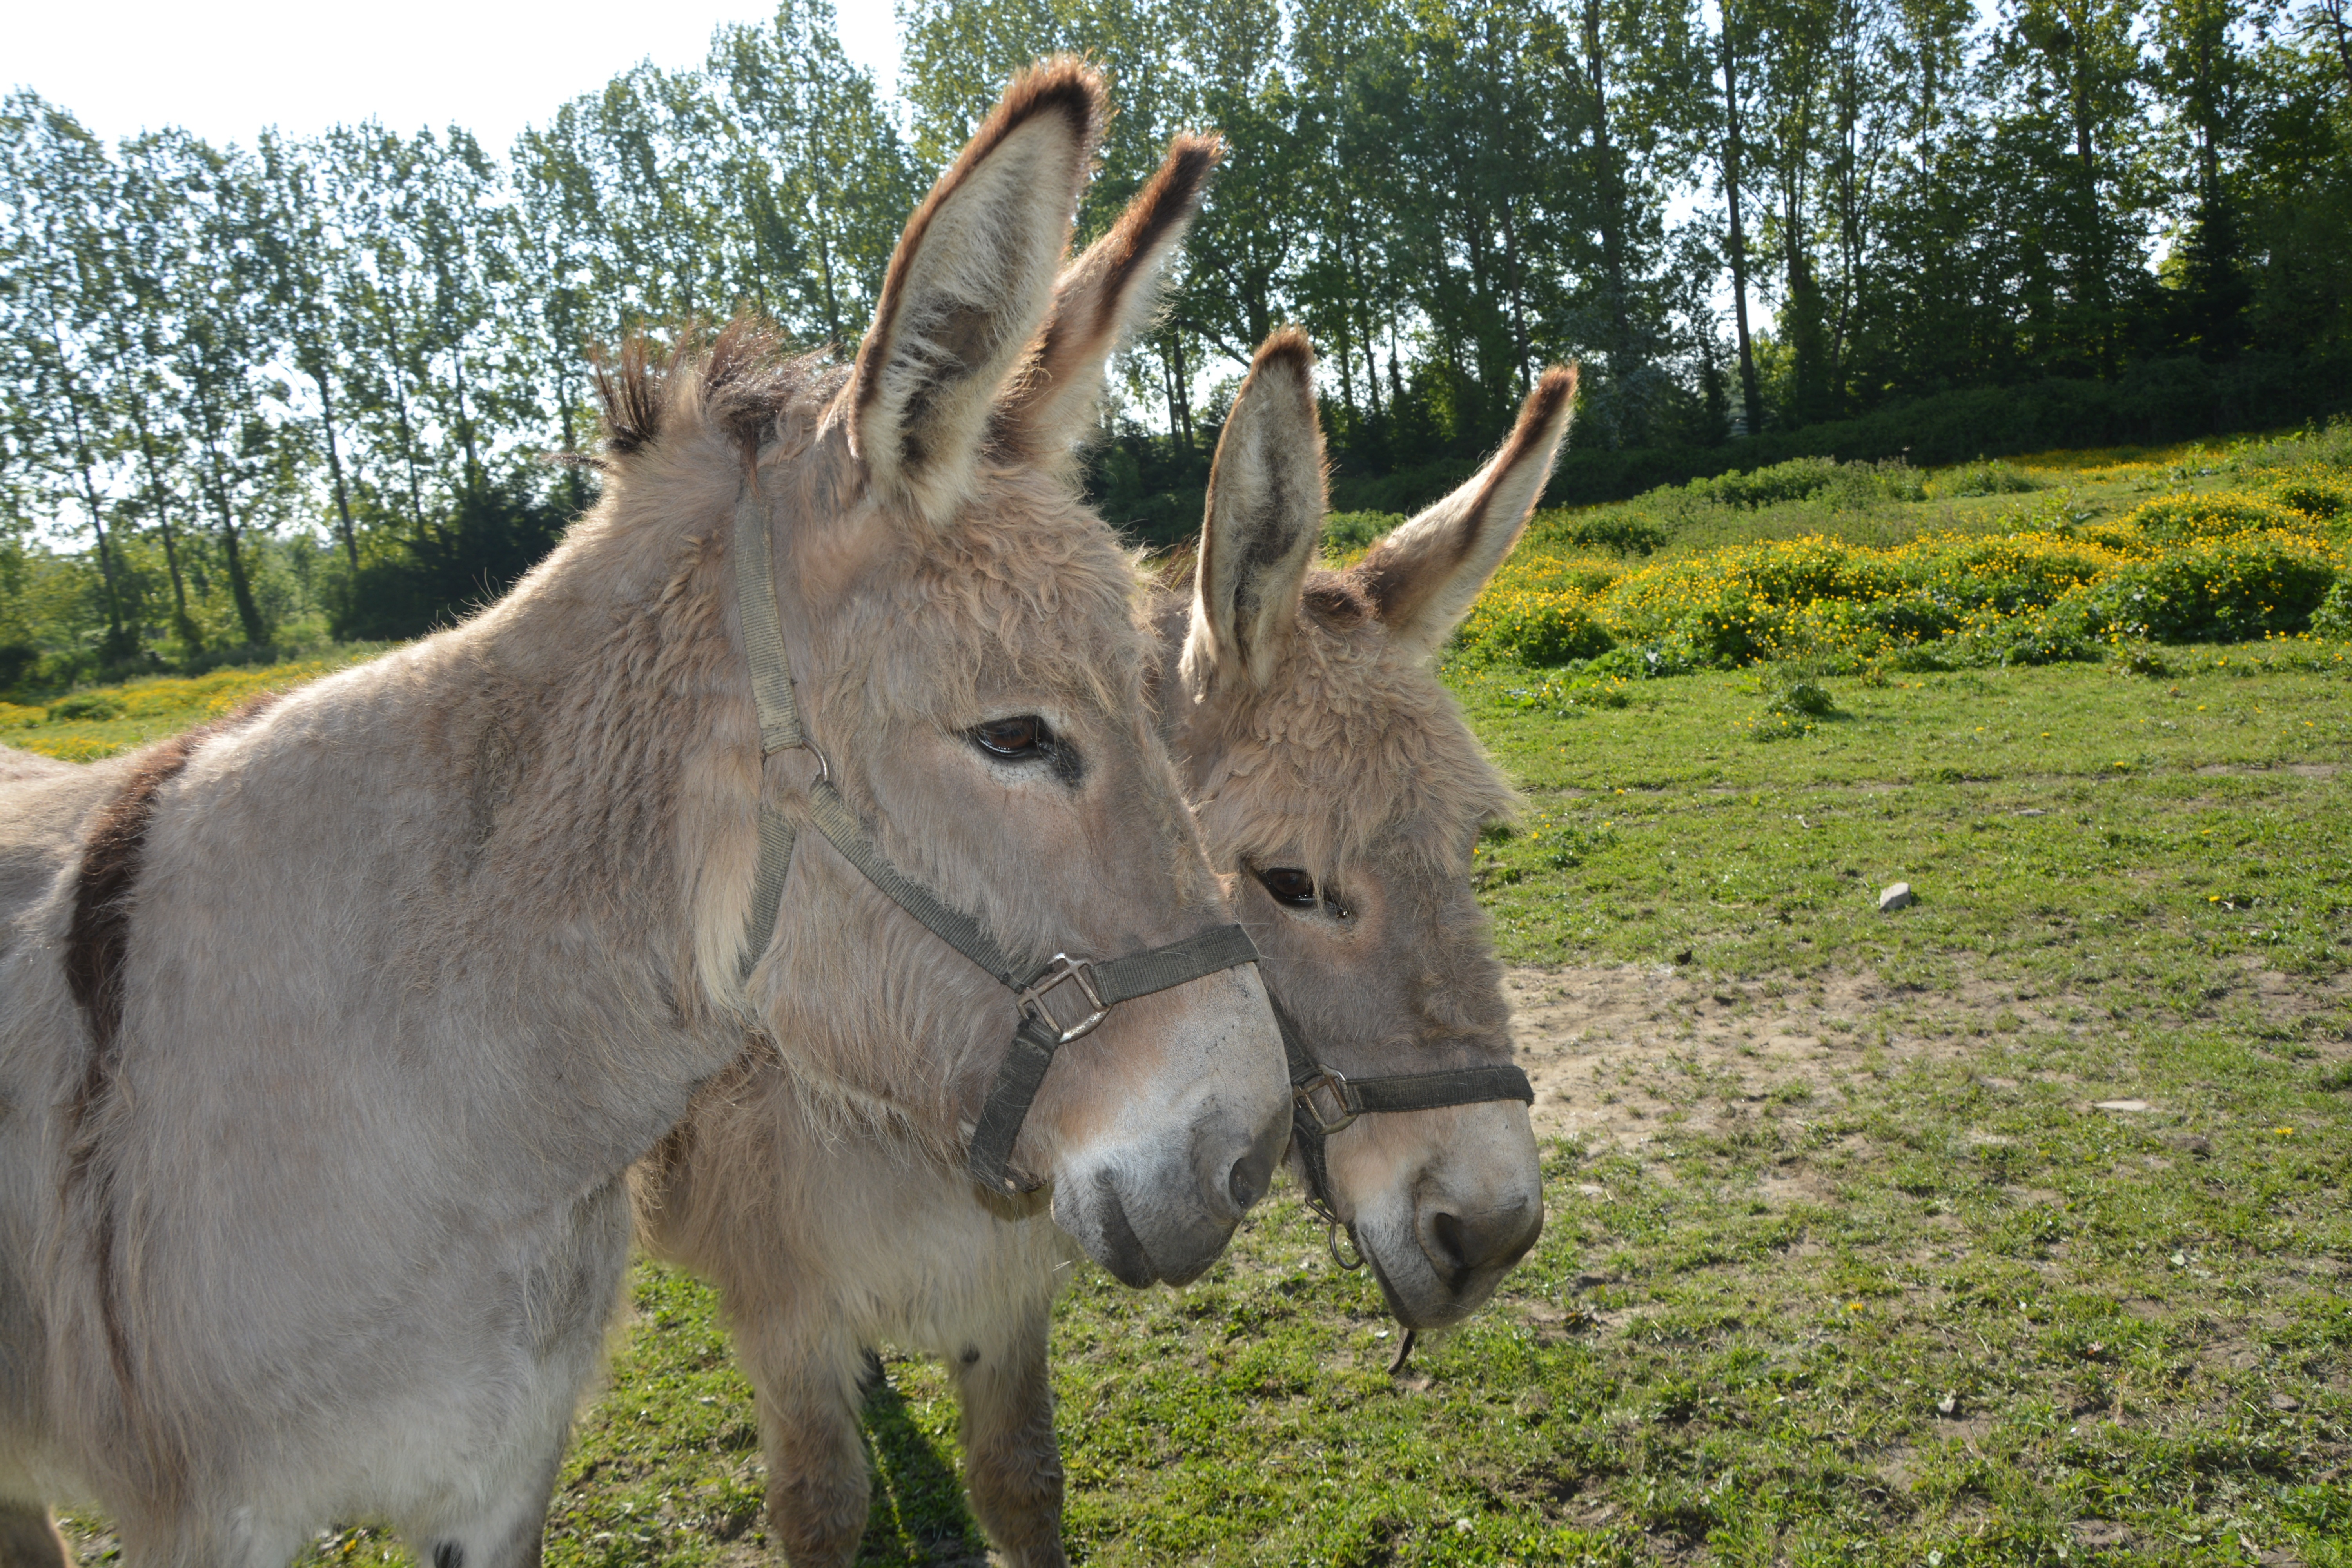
166,1115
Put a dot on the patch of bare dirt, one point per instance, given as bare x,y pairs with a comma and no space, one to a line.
2299,770
1624,1054
1615,1052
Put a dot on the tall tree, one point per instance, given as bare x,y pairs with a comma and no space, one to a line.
1731,44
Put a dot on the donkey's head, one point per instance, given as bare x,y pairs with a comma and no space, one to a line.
964,650
1334,774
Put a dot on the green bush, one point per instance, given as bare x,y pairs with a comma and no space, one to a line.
1800,695
1623,530
1649,662
1985,479
1799,479
88,705
2217,590
1961,572
1840,486
1346,532
2334,616
2314,446
1859,484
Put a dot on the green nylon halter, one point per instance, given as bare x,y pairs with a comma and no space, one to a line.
1042,1031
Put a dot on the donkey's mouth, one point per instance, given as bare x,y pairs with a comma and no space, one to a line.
1116,1247
1438,1303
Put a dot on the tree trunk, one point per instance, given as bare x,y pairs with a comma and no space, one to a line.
182,622
1168,386
1751,398
1184,391
573,487
1609,188
2333,10
465,423
248,612
1520,345
335,468
2093,230
118,639
408,452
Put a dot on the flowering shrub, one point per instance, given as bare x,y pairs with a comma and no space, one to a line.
1534,627
2317,495
1943,600
2213,516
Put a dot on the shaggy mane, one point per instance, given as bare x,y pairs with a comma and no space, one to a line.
743,381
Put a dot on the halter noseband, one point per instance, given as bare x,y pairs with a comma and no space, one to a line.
1097,986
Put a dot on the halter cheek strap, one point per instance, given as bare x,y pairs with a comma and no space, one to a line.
1323,1100
1060,1000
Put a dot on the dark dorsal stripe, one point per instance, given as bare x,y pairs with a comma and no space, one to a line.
99,932
97,939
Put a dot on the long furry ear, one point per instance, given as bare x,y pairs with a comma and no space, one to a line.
1101,298
968,285
1422,579
1265,513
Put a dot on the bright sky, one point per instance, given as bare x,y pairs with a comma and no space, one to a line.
225,69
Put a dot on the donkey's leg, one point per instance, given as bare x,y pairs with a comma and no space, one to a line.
810,1380
1011,1463
507,1534
28,1539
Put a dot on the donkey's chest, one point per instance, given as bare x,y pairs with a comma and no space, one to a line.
942,1275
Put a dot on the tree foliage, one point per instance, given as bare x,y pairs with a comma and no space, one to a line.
312,386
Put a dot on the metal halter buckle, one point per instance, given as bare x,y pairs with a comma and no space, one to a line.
1063,969
1332,1084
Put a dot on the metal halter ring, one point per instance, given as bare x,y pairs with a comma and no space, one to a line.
1063,969
1329,1085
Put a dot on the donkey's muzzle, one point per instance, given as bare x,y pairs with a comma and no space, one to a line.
1149,1227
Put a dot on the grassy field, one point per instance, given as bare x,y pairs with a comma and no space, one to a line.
2006,1228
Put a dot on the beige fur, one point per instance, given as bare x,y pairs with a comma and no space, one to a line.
1317,738
311,1181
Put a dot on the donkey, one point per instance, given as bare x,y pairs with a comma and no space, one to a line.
328,1036
1340,791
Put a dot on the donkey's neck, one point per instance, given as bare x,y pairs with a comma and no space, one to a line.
576,771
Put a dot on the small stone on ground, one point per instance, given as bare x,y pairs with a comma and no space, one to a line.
1897,897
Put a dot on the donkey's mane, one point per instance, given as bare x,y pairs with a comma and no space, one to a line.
742,382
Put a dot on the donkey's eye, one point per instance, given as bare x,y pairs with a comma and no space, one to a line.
1289,885
1017,739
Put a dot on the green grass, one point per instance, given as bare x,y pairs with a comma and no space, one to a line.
100,722
1843,1266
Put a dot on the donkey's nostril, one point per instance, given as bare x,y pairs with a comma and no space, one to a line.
1249,1178
1452,1247
1460,1247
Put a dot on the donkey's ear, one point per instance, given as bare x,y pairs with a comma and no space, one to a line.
968,285
1103,296
1422,579
1266,514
